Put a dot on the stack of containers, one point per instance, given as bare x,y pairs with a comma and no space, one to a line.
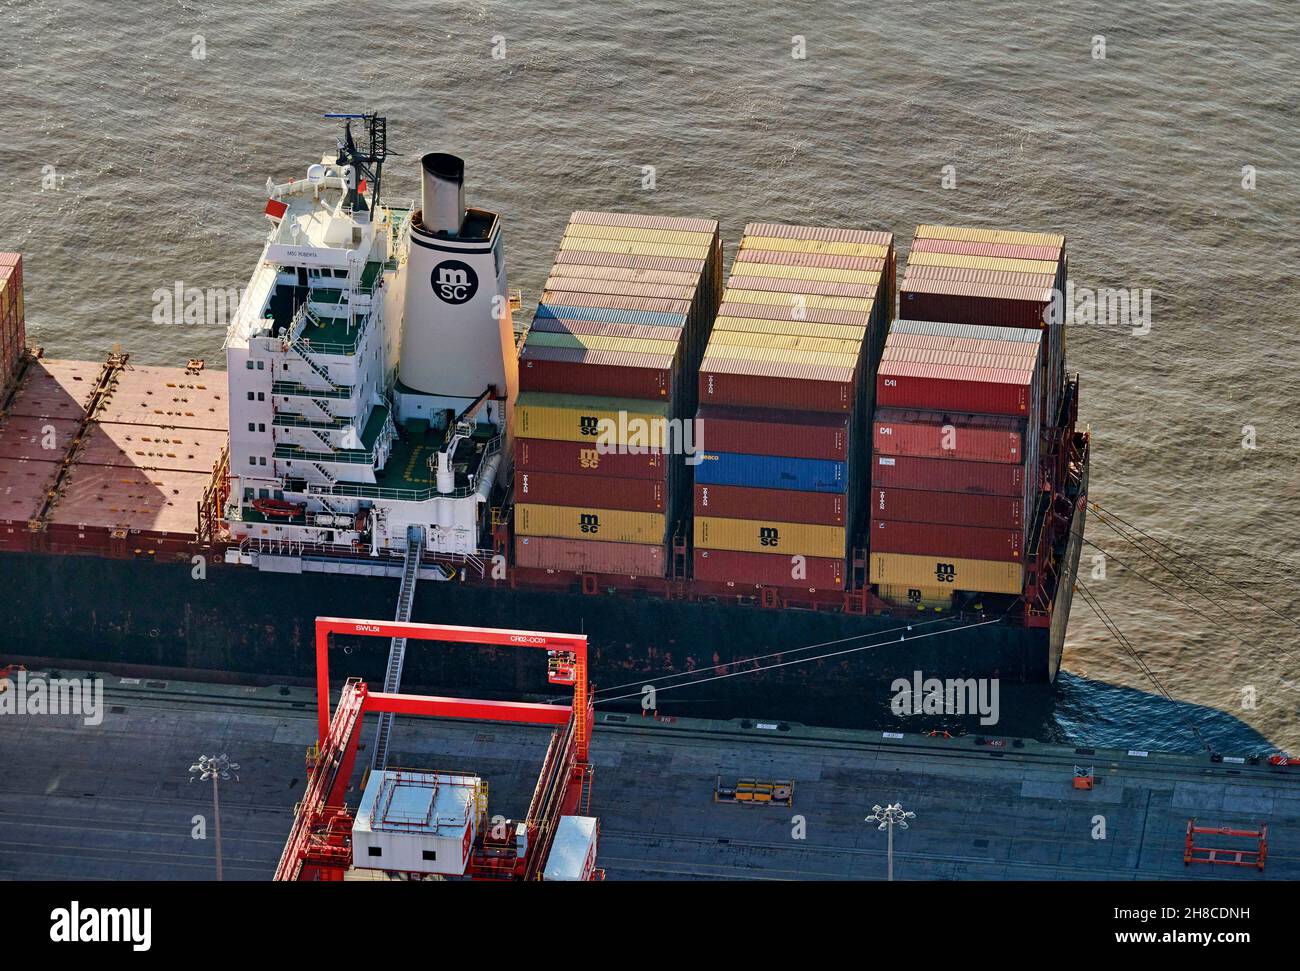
993,277
13,334
785,390
955,479
611,354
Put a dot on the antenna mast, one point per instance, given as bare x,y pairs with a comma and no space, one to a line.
370,162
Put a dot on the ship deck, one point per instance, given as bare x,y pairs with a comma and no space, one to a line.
408,467
113,801
110,448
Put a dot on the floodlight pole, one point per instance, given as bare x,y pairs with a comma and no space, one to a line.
216,822
215,767
887,817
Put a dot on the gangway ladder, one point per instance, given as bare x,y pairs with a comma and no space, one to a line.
397,648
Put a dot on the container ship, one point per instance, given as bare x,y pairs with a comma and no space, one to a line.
815,475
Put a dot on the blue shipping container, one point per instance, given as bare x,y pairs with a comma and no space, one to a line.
611,316
771,472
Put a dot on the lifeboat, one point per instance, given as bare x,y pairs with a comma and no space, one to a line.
279,508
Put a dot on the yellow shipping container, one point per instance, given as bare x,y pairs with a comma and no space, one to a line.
781,244
638,235
755,536
585,271
989,236
618,288
1004,264
824,274
811,300
787,341
777,355
596,342
984,576
633,248
797,328
924,596
576,418
579,522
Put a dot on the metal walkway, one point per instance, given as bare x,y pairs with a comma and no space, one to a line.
397,650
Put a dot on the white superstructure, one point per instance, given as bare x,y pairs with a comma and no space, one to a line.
371,366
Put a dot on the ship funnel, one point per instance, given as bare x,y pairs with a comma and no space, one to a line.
442,193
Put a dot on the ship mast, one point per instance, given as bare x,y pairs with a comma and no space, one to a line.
370,163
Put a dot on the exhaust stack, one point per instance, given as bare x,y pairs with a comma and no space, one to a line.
457,337
442,193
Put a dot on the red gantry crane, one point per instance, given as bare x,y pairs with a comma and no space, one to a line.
320,844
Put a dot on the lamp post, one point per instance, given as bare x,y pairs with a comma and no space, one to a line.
216,768
888,817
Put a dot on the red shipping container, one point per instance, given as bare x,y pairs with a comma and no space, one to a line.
615,374
999,360
803,387
599,328
543,455
962,274
963,345
589,556
781,285
942,387
681,224
958,542
595,490
1009,251
983,291
831,261
877,237
775,505
589,258
766,431
947,475
747,570
916,303
626,274
13,334
624,288
978,438
788,311
565,298
954,508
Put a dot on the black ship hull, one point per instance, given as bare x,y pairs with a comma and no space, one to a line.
827,667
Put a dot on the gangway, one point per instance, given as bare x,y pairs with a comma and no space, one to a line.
397,647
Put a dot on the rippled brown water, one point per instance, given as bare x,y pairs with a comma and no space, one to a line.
160,160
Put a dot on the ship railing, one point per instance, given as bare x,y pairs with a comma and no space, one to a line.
286,420
341,457
346,551
365,490
398,217
254,300
298,390
278,190
401,239
300,338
